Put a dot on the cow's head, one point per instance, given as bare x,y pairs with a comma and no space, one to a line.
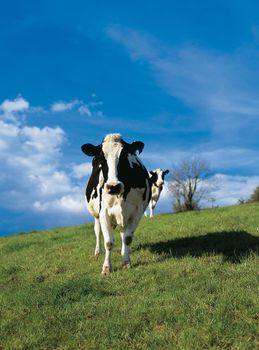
109,155
158,177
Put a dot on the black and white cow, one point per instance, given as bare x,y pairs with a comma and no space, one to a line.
157,178
117,193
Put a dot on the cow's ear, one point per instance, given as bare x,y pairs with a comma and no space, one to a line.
166,172
151,173
133,147
137,146
91,150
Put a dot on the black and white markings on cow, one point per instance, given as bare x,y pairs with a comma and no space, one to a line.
91,188
157,179
130,169
117,193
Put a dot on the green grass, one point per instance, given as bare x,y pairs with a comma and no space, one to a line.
193,285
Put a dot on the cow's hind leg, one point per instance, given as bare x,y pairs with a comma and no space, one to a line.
108,241
97,230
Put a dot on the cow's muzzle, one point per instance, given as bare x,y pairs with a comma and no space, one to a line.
114,188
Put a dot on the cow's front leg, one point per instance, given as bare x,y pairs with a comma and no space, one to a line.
151,208
108,240
126,240
97,230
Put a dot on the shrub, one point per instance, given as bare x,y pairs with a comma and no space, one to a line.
254,196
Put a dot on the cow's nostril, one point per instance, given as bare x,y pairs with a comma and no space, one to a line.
114,188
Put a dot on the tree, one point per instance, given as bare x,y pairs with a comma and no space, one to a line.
255,195
241,201
212,200
189,183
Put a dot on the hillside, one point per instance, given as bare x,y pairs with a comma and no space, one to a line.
193,285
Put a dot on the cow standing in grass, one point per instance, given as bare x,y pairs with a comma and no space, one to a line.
157,178
117,193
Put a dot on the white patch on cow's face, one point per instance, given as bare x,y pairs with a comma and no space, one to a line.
159,181
112,151
112,148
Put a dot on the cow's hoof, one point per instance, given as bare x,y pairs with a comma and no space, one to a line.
97,253
126,265
106,270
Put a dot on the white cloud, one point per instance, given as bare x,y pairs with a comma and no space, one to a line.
57,183
30,164
221,88
81,170
3,145
88,109
85,110
16,105
8,130
229,189
32,176
65,204
42,139
63,106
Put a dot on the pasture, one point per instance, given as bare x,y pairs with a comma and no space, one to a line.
193,285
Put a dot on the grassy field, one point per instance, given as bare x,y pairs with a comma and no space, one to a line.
193,285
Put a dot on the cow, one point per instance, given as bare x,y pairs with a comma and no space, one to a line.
117,193
157,181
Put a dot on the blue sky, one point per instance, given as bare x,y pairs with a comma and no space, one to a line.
181,76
